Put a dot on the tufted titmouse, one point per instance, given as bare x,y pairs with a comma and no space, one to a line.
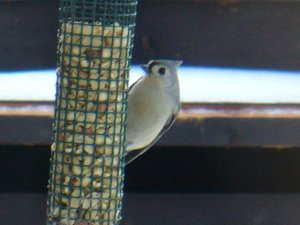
153,105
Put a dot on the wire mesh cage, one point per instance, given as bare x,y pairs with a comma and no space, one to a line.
95,39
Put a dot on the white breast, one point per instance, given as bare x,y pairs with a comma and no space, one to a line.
148,111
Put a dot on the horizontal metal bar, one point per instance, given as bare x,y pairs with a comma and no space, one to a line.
232,125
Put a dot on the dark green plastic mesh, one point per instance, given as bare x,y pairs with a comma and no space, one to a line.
87,162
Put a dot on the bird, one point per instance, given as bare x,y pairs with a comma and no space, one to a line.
153,106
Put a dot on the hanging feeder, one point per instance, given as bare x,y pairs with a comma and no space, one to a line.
95,40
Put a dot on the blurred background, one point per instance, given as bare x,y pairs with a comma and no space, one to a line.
223,33
222,162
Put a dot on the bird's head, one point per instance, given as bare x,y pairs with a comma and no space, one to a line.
161,68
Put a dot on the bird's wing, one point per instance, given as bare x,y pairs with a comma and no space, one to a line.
132,155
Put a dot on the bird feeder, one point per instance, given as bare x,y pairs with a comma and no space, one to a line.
95,40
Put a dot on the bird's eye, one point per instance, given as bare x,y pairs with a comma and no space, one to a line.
162,71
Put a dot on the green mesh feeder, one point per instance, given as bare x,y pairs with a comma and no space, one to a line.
95,39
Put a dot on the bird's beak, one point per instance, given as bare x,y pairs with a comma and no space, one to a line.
178,62
145,68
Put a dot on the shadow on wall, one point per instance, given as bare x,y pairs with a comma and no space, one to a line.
25,169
